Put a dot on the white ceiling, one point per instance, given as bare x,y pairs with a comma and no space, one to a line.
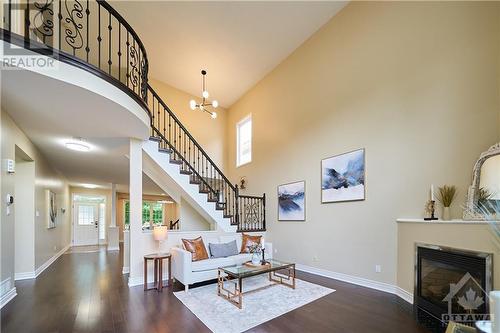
57,111
238,42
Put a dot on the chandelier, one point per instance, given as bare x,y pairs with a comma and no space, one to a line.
203,106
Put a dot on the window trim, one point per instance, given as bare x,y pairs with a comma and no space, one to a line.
238,125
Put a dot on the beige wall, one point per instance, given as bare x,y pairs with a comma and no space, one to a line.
209,133
47,242
477,237
415,84
191,220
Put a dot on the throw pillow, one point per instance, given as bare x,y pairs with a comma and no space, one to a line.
196,247
248,240
223,250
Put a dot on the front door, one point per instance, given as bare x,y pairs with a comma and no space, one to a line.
86,224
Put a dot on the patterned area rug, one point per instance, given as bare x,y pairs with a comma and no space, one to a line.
259,306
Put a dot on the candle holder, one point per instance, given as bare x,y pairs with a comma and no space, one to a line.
431,208
263,261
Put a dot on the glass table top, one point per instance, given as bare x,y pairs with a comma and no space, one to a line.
244,270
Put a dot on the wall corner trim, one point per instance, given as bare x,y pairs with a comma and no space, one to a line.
381,286
7,293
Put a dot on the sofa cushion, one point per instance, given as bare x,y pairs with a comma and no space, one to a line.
196,247
223,250
248,240
230,238
211,264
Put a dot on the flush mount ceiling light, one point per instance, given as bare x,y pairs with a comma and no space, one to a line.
91,186
204,105
78,144
164,202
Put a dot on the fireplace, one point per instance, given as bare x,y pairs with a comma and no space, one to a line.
451,284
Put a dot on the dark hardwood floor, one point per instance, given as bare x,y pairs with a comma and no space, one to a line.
86,292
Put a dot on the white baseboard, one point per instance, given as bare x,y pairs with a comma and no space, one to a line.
139,280
115,248
6,292
126,270
385,287
24,276
403,294
49,262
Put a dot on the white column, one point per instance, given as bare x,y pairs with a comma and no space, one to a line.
113,230
113,205
135,192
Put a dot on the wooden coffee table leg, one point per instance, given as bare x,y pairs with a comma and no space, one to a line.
155,273
169,271
145,274
160,275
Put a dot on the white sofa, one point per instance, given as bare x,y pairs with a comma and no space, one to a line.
188,272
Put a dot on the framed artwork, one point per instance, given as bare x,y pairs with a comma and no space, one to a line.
291,201
51,209
343,177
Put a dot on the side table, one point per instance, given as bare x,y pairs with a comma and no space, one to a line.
157,259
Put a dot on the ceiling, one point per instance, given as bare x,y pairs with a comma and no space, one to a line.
238,42
68,111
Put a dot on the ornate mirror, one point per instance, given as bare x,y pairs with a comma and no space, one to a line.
485,188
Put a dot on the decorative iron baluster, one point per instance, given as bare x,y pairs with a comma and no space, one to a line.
110,28
119,51
42,21
73,34
87,47
134,71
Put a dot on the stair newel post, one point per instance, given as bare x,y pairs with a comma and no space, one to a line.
236,205
264,211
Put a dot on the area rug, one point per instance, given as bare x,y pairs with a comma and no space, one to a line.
259,306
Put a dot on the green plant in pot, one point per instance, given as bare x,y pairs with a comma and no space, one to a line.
445,196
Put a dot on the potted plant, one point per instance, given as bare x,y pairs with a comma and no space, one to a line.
445,196
255,249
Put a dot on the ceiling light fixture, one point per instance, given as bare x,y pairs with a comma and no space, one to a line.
164,202
204,104
91,186
78,144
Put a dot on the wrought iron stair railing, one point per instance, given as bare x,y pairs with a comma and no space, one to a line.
247,212
93,36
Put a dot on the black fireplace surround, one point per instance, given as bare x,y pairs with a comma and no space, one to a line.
451,284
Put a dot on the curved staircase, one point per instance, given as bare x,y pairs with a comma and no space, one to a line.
93,36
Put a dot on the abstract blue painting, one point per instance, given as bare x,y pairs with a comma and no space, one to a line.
343,177
291,202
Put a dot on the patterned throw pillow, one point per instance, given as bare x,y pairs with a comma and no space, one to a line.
196,247
248,240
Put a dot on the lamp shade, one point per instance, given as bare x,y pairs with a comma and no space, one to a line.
160,233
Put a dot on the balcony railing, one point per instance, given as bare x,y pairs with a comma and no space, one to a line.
93,36
89,34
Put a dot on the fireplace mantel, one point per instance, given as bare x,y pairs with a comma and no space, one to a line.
414,220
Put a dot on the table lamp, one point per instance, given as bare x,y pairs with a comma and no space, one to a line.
160,234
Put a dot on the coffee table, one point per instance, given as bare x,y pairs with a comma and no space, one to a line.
236,274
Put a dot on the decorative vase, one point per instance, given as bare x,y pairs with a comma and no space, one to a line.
494,297
446,213
255,258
